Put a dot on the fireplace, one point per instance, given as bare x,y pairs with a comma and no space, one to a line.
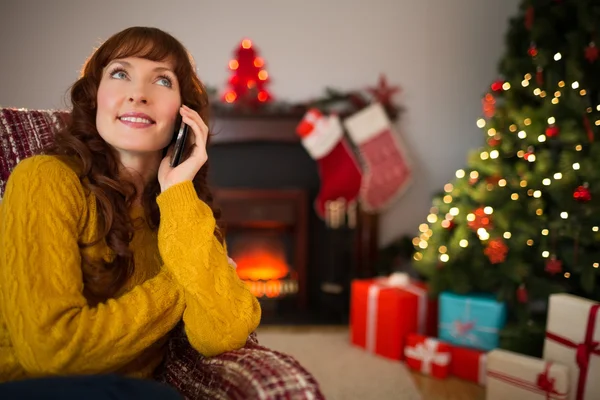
266,233
265,184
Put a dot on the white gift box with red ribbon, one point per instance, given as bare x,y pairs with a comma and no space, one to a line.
573,339
512,376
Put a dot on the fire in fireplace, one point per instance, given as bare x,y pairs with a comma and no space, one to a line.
262,263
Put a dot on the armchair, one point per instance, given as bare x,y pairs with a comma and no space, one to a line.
252,372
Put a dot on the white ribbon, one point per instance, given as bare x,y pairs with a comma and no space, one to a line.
427,353
396,280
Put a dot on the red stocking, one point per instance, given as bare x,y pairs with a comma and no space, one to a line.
323,138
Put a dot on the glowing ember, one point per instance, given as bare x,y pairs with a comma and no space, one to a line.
261,264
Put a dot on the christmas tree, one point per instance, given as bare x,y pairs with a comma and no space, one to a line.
522,219
249,77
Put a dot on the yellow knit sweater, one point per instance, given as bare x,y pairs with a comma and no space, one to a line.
47,326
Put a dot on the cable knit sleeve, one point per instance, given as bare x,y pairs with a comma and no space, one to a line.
220,310
51,326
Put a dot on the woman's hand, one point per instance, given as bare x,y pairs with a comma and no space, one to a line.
195,147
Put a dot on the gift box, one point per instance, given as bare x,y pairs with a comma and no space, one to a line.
471,320
383,311
514,376
427,355
468,364
573,339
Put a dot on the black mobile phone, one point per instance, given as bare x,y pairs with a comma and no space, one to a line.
180,138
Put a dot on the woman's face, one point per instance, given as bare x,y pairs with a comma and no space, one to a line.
137,105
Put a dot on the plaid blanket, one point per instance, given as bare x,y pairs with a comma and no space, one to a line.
252,372
23,133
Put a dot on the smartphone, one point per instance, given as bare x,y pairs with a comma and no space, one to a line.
180,138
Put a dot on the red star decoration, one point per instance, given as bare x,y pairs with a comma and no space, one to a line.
382,92
591,52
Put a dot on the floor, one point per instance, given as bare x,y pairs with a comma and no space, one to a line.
430,388
447,389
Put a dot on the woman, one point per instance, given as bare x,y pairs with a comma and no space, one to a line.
105,248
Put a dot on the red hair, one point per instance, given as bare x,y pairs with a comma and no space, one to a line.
98,165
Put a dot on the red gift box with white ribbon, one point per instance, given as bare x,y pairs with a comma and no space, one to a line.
468,364
427,355
512,376
383,311
573,339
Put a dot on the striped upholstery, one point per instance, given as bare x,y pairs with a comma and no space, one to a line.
252,372
24,132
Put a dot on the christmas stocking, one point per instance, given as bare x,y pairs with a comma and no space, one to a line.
323,138
387,170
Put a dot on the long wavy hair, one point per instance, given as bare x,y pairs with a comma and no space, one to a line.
97,162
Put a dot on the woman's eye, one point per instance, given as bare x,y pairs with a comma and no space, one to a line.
165,81
118,74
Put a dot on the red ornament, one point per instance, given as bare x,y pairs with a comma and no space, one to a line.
382,92
553,266
532,50
522,295
496,251
448,224
247,84
493,141
539,75
582,194
527,155
552,131
591,52
497,86
481,220
493,179
529,17
489,105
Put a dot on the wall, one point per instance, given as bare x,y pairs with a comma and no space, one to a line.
443,54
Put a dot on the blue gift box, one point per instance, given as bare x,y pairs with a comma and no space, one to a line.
473,320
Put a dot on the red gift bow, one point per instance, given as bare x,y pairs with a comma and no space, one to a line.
428,353
583,350
546,383
462,328
543,383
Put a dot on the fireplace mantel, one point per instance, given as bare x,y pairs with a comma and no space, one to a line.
246,129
